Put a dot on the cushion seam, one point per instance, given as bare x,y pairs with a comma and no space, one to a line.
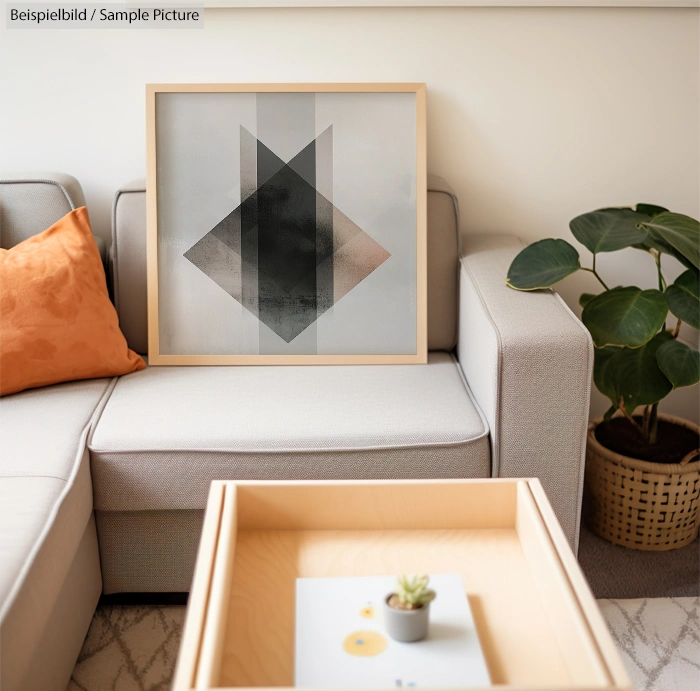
287,450
482,417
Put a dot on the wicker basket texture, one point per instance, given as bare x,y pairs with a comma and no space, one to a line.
638,504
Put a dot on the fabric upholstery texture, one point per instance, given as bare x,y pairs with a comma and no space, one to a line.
129,264
45,508
167,432
528,362
49,564
26,503
61,413
443,264
31,202
58,323
148,551
64,631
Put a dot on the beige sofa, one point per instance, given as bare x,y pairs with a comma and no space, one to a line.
505,393
50,578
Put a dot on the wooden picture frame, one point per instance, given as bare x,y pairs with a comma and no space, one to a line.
175,151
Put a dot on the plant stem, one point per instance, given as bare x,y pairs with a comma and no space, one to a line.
635,424
662,281
595,273
654,423
677,330
645,421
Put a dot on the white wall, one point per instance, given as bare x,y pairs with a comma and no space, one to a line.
535,114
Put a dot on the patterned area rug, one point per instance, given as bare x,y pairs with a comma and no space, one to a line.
129,649
135,648
658,640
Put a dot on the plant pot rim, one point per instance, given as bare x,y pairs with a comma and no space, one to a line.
407,612
638,463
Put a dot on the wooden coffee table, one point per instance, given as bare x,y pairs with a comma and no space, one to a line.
538,623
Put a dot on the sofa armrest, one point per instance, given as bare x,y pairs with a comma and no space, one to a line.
528,361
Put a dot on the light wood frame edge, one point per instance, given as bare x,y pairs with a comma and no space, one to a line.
152,224
421,225
213,636
589,608
580,651
198,604
421,354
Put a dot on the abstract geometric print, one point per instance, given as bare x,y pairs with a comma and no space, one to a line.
286,252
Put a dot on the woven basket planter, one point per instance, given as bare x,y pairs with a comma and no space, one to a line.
638,504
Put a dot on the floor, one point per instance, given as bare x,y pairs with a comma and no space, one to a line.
650,601
618,572
129,648
658,640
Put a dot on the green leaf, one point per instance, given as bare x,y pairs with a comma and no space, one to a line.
659,245
652,242
683,298
542,265
634,374
600,363
649,209
607,230
585,298
625,316
680,232
680,363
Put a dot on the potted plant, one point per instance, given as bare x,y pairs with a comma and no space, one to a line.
642,471
407,609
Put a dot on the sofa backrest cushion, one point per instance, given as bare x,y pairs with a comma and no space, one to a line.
128,256
31,202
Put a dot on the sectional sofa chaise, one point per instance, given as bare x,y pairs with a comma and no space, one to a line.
103,483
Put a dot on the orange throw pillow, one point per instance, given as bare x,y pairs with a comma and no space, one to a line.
56,320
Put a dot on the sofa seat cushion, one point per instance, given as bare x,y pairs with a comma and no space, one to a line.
167,432
45,509
26,505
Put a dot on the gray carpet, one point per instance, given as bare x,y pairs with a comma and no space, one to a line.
618,572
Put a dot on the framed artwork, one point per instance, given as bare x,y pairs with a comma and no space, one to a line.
286,224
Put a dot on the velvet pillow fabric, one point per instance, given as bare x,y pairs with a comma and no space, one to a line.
57,323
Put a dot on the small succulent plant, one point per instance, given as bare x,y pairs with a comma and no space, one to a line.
413,591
